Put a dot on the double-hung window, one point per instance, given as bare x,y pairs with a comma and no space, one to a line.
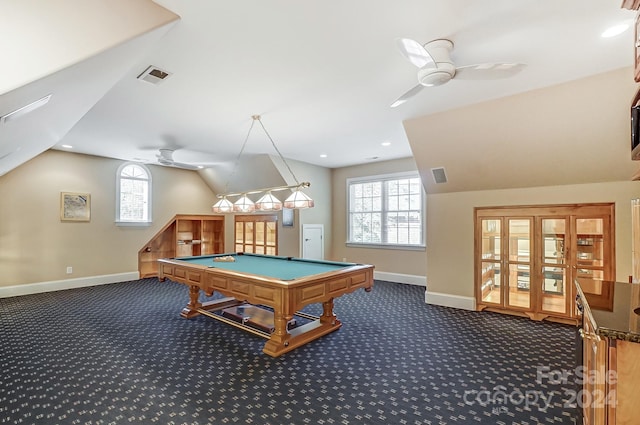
386,211
133,198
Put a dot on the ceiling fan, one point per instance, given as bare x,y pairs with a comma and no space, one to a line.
436,68
165,157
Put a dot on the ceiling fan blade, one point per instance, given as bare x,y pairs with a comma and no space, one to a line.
165,157
408,95
488,71
414,52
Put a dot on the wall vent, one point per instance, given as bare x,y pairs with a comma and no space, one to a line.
439,175
154,75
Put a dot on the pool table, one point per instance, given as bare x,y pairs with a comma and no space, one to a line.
284,284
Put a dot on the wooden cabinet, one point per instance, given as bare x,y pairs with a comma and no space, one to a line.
610,353
595,360
182,236
526,257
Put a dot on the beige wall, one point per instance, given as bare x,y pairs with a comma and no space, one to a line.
385,260
35,246
550,136
450,227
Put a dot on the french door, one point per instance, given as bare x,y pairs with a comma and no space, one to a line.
555,273
506,261
257,234
527,258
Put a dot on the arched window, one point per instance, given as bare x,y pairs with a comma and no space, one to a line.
133,198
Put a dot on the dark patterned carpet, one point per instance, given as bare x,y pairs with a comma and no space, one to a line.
121,354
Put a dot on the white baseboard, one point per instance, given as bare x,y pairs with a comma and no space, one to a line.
448,300
57,285
401,278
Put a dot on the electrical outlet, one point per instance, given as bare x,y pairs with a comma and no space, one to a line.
344,259
69,270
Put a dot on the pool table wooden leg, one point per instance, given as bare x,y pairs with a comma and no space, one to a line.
279,340
283,340
194,303
328,316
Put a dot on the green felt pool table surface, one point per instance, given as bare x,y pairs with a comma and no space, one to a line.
278,267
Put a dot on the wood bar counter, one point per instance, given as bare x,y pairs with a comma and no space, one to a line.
611,351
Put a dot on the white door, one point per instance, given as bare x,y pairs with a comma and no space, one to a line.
313,241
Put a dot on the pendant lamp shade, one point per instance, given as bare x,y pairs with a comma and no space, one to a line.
268,203
298,199
223,206
244,205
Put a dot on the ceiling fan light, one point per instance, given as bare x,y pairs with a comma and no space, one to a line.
431,77
268,203
223,206
298,200
244,204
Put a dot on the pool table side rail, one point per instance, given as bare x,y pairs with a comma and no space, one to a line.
269,291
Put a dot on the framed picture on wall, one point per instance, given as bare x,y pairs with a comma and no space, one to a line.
75,206
287,217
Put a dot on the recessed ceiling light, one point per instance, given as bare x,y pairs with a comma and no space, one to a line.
615,30
201,166
386,143
323,155
67,146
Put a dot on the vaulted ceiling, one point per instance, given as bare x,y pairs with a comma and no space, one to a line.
321,74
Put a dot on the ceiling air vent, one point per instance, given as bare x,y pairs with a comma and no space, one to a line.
154,75
439,175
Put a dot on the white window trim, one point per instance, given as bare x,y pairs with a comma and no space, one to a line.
133,223
383,177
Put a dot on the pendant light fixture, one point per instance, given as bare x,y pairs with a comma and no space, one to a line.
268,202
298,199
244,205
223,206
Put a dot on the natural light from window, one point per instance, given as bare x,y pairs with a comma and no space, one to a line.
134,194
386,211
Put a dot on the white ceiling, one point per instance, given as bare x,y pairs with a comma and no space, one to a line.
322,73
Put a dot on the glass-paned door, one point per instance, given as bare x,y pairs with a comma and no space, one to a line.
491,258
256,234
590,249
554,265
519,262
244,237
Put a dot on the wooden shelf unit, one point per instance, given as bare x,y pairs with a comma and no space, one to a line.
527,256
183,236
